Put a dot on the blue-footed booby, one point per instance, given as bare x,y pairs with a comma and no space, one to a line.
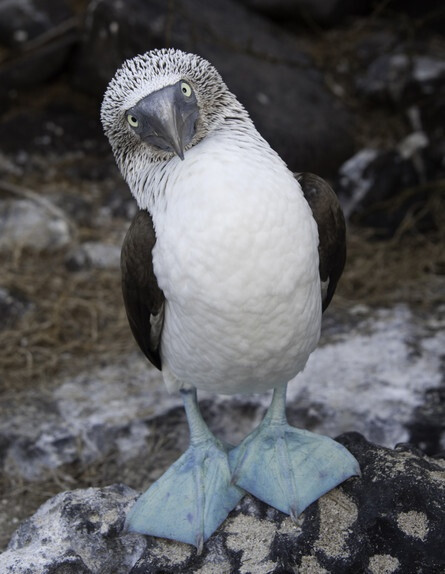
226,270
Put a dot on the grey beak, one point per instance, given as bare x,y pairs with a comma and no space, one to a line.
166,119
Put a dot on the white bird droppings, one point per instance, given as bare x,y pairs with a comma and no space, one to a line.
337,514
413,524
253,537
383,564
310,565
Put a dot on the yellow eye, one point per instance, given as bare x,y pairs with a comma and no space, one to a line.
132,121
186,89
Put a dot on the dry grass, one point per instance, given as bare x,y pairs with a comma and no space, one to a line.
72,316
408,267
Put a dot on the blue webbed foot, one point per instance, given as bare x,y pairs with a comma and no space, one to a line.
194,496
289,468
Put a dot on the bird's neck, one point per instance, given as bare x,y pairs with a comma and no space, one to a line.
150,181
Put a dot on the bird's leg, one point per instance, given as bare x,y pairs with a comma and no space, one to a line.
287,467
193,497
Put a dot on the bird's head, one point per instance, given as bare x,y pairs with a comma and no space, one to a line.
160,104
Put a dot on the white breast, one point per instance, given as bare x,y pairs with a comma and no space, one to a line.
236,256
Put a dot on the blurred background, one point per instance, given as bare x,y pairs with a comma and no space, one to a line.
351,91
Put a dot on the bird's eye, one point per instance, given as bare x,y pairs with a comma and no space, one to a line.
186,89
132,121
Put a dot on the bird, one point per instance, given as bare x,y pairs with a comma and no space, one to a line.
227,267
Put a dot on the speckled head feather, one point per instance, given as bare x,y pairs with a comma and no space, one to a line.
147,73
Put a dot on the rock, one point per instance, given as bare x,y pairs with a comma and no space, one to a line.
324,12
425,15
373,374
76,533
381,39
378,188
427,426
402,77
39,35
93,254
431,118
58,128
25,20
412,84
78,207
120,202
390,520
137,27
13,305
355,182
283,90
25,224
87,418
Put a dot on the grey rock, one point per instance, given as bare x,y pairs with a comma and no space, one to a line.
24,20
78,207
197,24
389,520
261,64
354,180
411,80
76,533
39,35
85,419
372,376
34,137
8,167
378,188
33,67
382,39
120,202
25,224
403,77
427,426
386,77
93,254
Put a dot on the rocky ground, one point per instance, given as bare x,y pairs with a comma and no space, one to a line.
387,521
357,98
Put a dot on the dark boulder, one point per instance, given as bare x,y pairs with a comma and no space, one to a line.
401,77
320,12
380,188
24,20
390,520
260,62
36,36
57,128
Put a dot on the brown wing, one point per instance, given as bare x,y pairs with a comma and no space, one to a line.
329,216
144,300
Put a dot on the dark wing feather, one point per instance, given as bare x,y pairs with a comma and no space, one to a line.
144,300
329,216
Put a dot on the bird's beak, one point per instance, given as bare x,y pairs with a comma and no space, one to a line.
165,120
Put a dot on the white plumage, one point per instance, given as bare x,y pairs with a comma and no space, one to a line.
236,257
236,243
